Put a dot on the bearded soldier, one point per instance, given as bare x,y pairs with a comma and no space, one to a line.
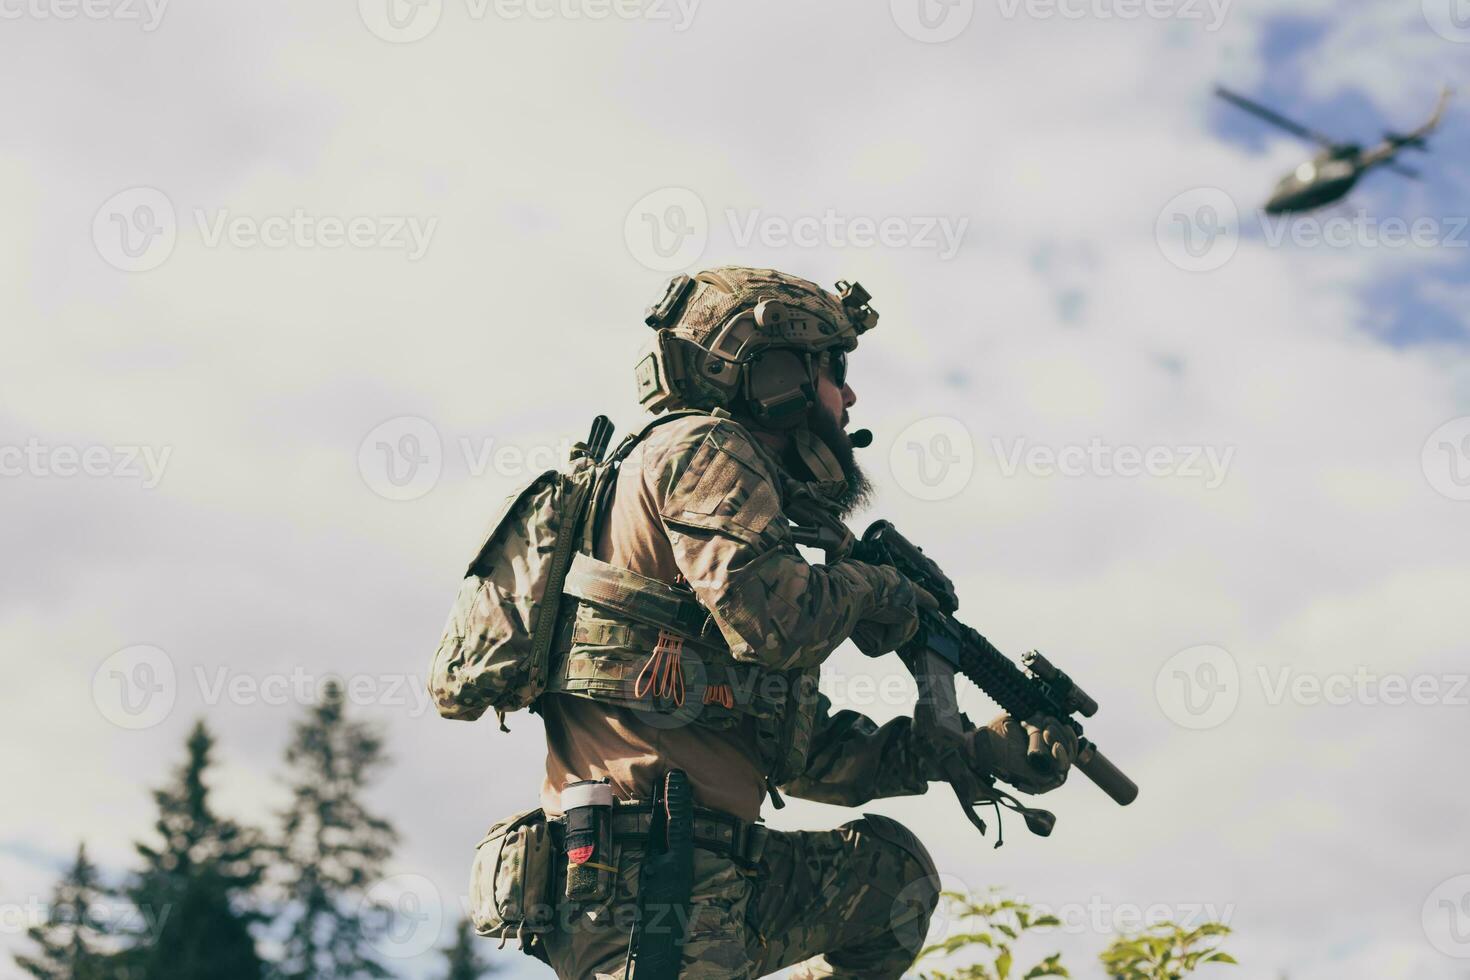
680,690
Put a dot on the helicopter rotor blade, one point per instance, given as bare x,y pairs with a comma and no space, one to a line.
1273,117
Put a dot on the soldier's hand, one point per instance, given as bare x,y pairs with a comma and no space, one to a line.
894,623
1034,756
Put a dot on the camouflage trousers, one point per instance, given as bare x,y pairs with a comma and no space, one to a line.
850,902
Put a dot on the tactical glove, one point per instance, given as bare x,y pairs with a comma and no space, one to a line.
1033,756
896,619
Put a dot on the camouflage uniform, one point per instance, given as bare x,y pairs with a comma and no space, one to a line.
850,902
703,499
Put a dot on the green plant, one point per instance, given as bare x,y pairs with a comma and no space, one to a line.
1166,952
993,925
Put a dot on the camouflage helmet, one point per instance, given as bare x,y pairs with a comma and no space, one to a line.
747,340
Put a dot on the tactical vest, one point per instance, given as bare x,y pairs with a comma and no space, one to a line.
635,642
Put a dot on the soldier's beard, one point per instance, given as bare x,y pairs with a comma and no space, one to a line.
857,489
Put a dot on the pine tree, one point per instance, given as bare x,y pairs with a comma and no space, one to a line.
195,890
464,961
72,939
332,849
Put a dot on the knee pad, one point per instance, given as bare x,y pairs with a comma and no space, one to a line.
904,864
895,834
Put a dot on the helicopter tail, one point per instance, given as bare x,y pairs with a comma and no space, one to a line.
1417,139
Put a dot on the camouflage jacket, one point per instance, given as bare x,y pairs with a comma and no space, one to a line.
700,501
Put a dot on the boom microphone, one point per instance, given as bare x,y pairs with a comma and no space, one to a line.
861,439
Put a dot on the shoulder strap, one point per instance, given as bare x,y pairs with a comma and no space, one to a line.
607,473
633,438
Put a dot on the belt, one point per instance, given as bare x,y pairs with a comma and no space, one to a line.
714,830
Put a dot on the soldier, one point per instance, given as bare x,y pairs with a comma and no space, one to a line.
694,644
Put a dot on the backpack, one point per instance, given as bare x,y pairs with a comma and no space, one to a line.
496,648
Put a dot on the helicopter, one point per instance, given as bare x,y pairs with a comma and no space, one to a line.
1329,175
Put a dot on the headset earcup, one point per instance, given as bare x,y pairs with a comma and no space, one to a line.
778,387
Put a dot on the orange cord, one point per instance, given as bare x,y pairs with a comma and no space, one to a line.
720,694
663,672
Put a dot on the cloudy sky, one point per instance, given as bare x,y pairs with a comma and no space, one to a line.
293,294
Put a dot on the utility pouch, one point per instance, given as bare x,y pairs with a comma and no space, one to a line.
591,872
511,881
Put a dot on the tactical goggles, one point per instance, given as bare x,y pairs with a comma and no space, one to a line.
837,359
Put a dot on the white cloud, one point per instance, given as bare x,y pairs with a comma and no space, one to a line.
264,548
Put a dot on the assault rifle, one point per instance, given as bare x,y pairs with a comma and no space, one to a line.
944,647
